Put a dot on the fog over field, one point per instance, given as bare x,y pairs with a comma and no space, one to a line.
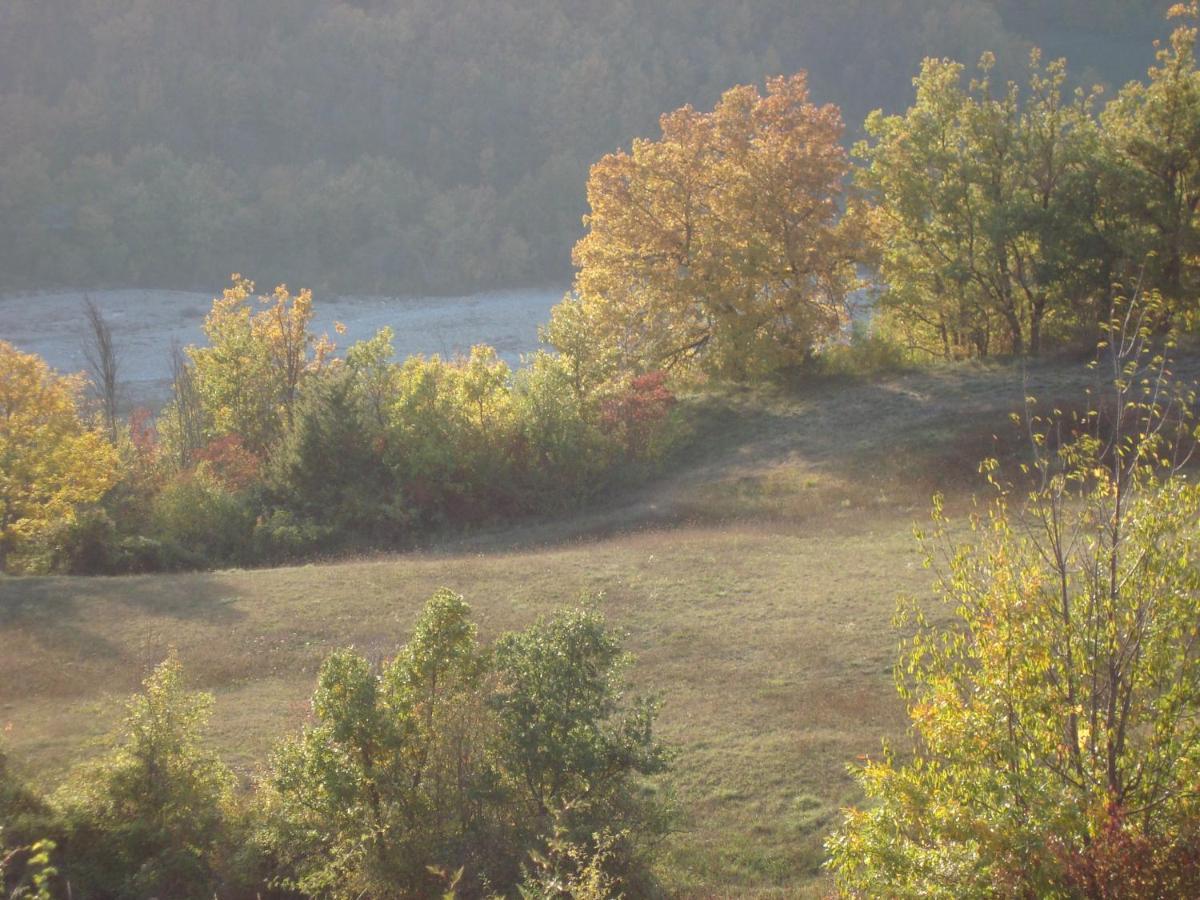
145,322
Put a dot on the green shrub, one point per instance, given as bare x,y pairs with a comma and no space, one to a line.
329,468
79,544
149,818
568,737
870,350
25,820
450,759
202,520
394,776
281,536
451,437
365,450
570,871
562,449
137,554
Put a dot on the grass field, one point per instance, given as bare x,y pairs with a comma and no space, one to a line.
756,584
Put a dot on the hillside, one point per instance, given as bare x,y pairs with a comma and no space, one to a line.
404,147
756,584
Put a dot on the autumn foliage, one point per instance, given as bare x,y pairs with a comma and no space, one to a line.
1053,707
720,244
273,448
53,464
1131,858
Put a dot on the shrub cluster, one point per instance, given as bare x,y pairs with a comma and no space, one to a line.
272,448
483,771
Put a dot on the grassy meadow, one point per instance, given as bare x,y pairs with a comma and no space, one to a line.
755,580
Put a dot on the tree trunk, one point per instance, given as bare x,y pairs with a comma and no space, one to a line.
1015,331
1036,314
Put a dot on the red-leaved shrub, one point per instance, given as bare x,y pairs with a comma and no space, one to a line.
230,462
638,411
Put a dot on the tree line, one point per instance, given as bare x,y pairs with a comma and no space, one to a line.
274,447
994,218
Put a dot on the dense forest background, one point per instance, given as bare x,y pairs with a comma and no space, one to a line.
411,145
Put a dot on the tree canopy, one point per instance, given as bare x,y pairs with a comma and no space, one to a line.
719,243
984,210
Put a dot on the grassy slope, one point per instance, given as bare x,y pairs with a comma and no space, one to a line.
756,584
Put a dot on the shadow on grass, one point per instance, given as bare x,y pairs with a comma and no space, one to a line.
190,595
62,611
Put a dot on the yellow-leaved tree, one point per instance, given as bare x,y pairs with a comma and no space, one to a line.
248,376
52,462
721,243
1053,703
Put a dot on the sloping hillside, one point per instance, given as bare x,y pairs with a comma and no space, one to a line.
756,582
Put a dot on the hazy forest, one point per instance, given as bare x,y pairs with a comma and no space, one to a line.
415,146
838,535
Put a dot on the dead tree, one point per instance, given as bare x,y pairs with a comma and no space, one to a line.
101,355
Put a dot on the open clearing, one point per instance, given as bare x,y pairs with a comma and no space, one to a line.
145,323
756,584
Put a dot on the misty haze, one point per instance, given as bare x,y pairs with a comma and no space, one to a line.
599,449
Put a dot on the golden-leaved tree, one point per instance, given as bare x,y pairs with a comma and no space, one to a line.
248,376
720,244
52,462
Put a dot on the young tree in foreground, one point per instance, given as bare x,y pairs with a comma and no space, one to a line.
1058,749
447,760
147,818
386,782
52,463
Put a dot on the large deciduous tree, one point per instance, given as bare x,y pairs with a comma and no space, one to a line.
719,243
1152,131
52,462
982,209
